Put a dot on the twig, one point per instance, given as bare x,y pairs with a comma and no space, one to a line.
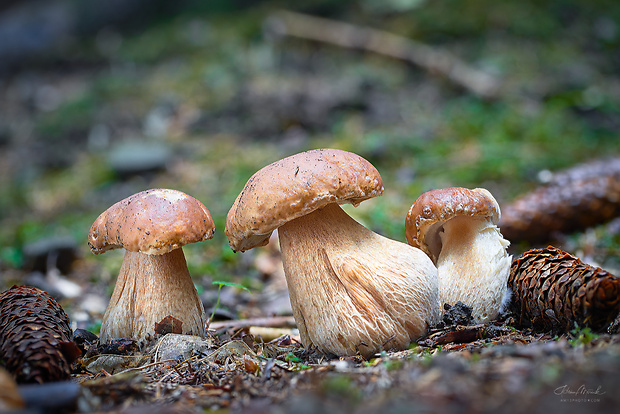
269,333
273,322
152,364
433,60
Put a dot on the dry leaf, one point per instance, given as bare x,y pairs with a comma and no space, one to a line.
113,364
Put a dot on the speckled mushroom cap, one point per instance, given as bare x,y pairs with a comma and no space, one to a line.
433,208
154,221
296,186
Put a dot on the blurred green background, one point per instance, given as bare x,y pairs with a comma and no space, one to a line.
99,100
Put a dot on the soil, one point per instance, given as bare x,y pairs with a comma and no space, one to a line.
455,368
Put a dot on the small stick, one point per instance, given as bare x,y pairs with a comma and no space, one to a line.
433,60
269,333
272,322
152,364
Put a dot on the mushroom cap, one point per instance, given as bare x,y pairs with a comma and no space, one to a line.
154,221
296,186
433,208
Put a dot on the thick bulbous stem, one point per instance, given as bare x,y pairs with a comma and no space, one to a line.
352,290
148,289
473,266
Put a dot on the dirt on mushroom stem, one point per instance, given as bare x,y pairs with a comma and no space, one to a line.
473,266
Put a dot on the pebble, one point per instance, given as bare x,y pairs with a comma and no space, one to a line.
135,157
181,347
53,252
58,286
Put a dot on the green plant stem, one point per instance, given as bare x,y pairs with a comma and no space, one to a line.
217,303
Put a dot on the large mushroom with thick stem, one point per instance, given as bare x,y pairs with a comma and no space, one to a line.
351,290
457,228
154,288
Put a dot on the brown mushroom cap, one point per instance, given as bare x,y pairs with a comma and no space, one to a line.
433,208
296,186
154,221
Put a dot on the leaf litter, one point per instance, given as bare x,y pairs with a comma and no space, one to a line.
458,366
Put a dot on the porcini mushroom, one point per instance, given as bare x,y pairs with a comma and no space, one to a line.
351,290
154,282
457,228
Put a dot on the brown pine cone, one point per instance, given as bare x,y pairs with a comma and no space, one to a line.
553,290
572,200
35,336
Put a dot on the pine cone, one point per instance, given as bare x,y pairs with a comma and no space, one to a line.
553,290
572,200
35,336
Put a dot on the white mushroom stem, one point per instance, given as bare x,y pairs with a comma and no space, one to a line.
473,266
148,289
352,290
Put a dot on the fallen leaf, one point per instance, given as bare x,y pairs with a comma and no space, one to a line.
168,325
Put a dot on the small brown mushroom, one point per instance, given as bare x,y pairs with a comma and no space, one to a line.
457,228
153,282
351,290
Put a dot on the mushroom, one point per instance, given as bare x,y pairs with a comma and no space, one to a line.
154,284
351,290
457,228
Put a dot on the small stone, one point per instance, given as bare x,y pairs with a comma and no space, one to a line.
138,157
181,347
54,252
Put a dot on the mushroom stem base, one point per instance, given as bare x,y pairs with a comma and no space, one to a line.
353,291
148,289
473,266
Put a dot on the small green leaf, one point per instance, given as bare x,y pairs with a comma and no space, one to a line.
290,357
221,283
